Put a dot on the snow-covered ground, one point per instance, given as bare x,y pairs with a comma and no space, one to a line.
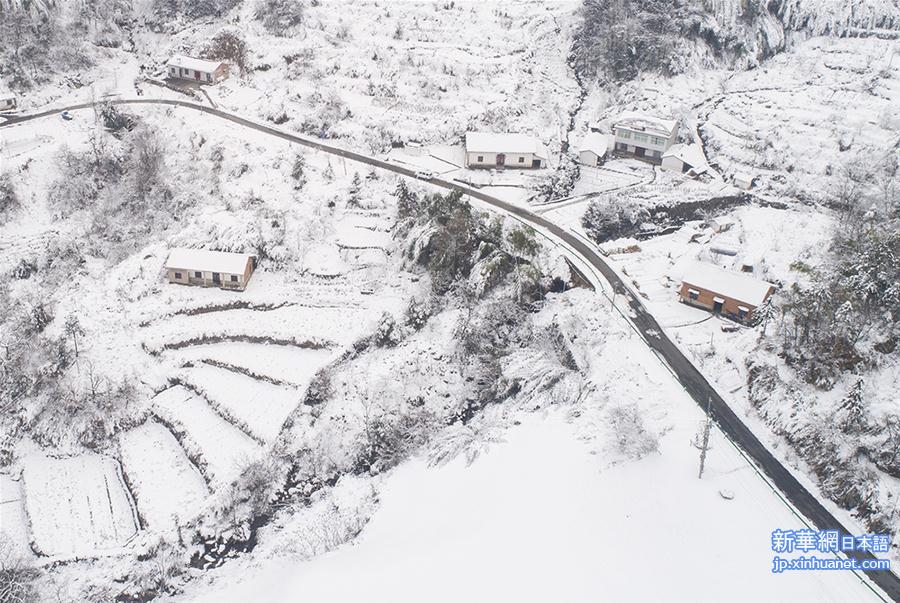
543,517
225,449
77,505
556,512
167,487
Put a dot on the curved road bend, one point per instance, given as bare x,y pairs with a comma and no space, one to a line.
691,379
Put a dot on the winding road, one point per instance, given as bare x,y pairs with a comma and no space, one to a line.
704,394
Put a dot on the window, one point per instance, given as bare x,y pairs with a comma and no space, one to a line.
198,275
657,140
177,275
480,159
693,294
742,312
521,160
656,153
624,134
621,146
233,278
640,137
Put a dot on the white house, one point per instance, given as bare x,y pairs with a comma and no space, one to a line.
209,268
593,149
7,101
644,136
493,150
684,158
720,223
741,180
197,70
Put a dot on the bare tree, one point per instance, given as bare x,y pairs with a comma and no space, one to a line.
17,577
73,329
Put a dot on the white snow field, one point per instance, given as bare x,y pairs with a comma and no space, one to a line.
224,449
258,407
167,487
13,519
287,364
77,505
540,518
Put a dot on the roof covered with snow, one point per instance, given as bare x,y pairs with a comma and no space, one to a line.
731,284
208,261
690,154
186,62
493,142
595,142
635,120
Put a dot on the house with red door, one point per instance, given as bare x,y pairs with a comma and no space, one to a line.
504,150
181,67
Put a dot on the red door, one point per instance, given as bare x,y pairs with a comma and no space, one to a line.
197,75
501,159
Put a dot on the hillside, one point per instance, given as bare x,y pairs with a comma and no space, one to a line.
434,397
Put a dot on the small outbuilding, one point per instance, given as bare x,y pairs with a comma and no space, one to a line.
742,180
209,268
181,67
725,292
593,149
510,150
720,223
684,158
7,101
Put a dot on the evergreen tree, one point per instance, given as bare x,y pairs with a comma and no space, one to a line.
298,172
407,201
355,192
851,412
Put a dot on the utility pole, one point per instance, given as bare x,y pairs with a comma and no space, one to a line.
702,441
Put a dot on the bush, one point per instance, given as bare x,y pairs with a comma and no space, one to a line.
417,313
388,334
630,438
561,182
320,388
610,217
9,200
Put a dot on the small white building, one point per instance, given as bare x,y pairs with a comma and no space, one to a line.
644,136
684,158
7,101
593,149
742,180
209,268
493,150
197,70
720,223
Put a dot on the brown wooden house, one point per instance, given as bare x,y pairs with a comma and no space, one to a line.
210,268
732,294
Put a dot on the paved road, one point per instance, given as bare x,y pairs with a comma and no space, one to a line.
691,379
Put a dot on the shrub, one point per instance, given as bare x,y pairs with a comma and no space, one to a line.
9,200
611,217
